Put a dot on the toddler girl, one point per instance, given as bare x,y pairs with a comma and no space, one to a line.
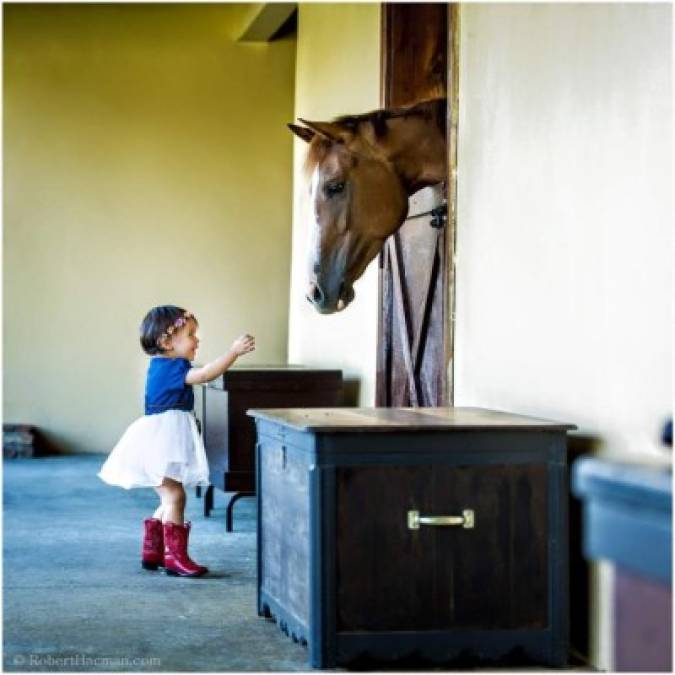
163,449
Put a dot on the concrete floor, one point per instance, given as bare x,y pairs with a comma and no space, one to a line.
76,598
74,588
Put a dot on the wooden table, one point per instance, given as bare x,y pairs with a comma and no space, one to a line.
438,533
229,435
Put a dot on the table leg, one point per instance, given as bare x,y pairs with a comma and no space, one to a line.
208,501
228,513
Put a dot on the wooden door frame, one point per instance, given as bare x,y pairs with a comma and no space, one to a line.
452,120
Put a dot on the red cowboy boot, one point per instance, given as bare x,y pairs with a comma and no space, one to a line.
177,562
153,544
188,525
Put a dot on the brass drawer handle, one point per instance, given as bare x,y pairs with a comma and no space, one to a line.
466,520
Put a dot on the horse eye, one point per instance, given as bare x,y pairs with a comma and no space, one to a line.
333,189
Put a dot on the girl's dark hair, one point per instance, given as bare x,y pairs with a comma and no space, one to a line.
155,322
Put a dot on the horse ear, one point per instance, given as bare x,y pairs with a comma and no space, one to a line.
303,132
330,130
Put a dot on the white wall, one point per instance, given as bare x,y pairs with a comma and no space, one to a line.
337,72
564,252
565,231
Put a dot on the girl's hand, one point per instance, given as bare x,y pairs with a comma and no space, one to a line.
243,345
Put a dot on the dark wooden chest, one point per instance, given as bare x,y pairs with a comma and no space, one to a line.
229,435
440,533
22,440
628,516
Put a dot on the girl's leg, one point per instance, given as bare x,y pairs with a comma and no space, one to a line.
177,562
172,494
158,512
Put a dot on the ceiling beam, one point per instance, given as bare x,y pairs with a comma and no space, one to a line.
264,20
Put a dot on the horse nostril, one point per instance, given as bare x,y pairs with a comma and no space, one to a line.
315,294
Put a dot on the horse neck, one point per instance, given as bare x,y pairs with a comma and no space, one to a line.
417,149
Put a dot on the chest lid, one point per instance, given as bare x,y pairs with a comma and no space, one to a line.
397,419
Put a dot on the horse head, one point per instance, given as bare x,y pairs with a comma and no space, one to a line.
360,171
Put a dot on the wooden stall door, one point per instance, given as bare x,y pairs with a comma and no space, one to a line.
414,329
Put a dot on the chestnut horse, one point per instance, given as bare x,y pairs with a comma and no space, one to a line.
362,169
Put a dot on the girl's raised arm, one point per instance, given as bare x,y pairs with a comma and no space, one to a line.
242,345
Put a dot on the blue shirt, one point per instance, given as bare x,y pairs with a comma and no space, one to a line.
165,387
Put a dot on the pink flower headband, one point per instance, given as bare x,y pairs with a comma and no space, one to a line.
178,323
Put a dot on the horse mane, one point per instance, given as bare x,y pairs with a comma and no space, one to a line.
318,149
432,109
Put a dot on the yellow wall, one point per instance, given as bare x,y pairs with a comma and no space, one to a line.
337,72
146,161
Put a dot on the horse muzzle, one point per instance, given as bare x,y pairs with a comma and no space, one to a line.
329,303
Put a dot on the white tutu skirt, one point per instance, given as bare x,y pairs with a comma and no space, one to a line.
155,446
